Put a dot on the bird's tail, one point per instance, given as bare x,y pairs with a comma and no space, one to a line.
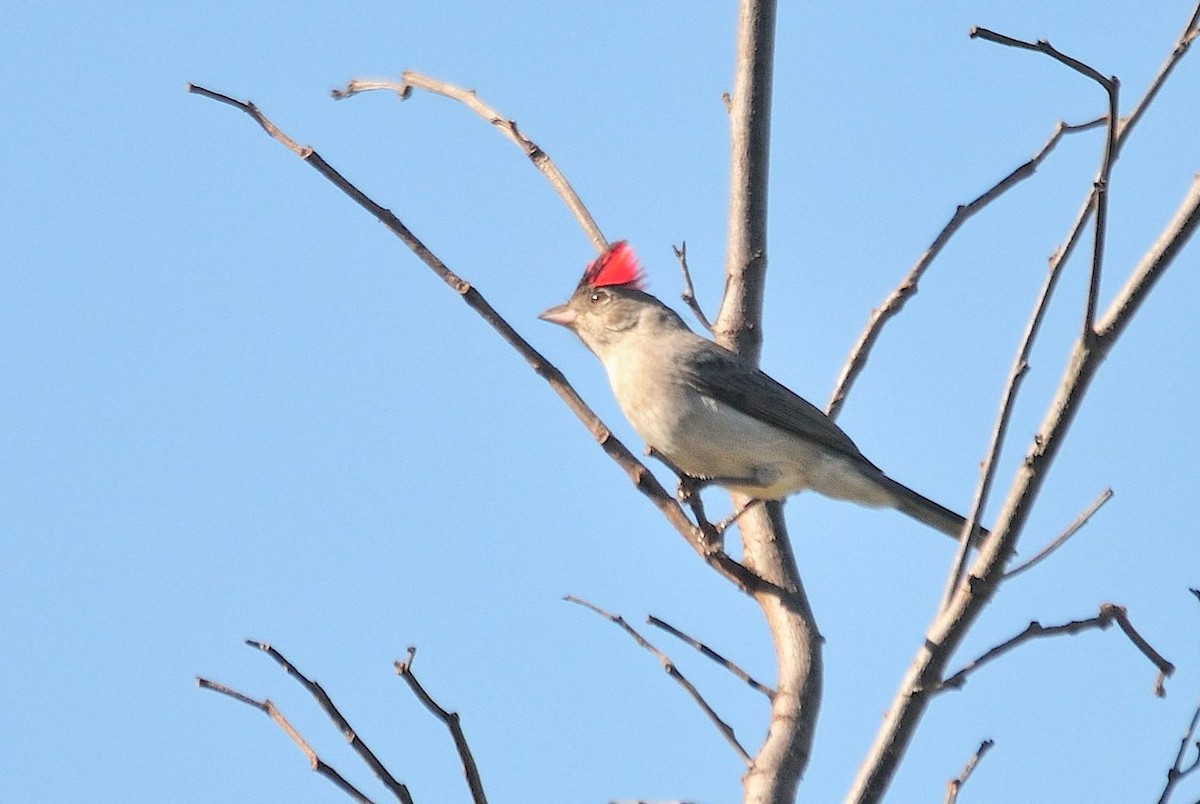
934,515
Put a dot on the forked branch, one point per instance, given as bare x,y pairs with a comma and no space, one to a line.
1111,87
1109,613
705,650
671,670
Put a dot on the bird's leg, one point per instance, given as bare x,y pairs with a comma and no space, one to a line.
724,524
689,487
688,493
683,493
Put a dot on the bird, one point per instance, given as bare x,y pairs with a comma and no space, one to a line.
711,415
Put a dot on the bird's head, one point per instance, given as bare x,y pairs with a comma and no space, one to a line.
609,302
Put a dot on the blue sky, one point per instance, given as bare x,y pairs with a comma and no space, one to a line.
234,406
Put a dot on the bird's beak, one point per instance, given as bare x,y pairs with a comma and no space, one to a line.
562,315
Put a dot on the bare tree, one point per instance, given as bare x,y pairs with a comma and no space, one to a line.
766,570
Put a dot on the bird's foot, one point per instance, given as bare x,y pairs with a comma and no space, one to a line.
688,491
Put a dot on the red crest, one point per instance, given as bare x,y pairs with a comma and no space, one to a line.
617,266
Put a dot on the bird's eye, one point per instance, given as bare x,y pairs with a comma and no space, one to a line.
597,296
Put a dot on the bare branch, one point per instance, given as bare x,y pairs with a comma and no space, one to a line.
738,325
1100,236
541,160
1152,266
861,351
326,703
712,654
1040,46
704,541
1177,770
249,108
689,292
671,670
1165,668
1109,613
956,784
1062,538
315,762
451,719
767,550
1182,44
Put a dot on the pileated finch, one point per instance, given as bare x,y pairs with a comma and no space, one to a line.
710,414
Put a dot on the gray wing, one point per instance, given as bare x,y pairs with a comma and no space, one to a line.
728,378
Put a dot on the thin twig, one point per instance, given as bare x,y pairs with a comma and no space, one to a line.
956,784
689,292
705,543
249,108
712,654
1109,613
1100,189
326,703
1182,44
1005,541
1061,539
541,160
671,670
451,719
1177,770
1165,668
892,305
315,762
1100,236
1040,46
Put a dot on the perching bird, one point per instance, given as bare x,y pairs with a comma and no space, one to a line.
712,415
